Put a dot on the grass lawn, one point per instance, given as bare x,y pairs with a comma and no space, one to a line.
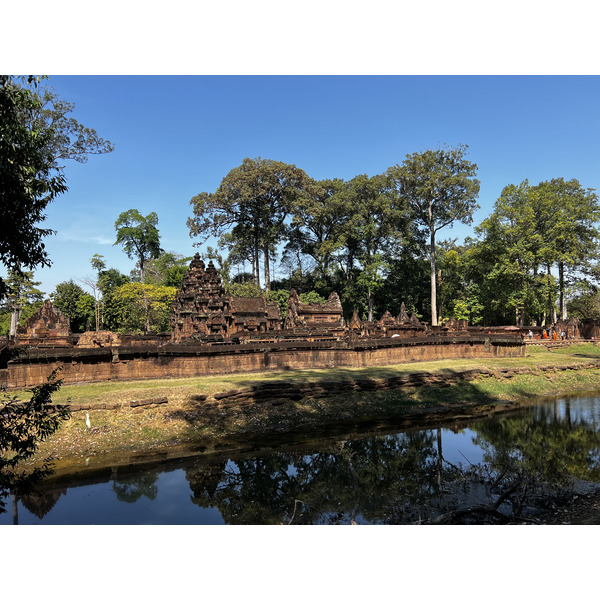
181,389
128,431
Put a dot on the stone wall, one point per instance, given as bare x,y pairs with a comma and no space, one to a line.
133,363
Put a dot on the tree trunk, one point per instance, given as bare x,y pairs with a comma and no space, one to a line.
522,316
141,269
441,298
256,268
561,286
521,319
440,458
15,317
267,269
97,306
548,279
370,299
15,509
434,320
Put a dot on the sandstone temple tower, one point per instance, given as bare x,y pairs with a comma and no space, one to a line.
203,311
201,307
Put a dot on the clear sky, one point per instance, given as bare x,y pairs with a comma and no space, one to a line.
176,136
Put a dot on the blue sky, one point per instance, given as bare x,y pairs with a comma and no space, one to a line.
176,136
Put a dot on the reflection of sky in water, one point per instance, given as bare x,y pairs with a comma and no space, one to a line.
98,503
458,448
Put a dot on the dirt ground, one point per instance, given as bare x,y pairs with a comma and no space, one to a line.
581,509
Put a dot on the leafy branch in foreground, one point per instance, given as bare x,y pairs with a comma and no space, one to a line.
23,425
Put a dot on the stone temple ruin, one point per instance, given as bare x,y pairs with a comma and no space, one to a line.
213,332
204,312
46,325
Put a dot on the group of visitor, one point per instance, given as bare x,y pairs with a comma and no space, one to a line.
547,334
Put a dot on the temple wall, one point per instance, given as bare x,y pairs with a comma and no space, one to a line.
105,364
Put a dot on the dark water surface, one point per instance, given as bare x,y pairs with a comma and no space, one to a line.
367,477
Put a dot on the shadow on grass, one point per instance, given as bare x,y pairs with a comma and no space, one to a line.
346,398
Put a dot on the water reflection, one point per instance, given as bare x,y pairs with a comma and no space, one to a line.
557,441
131,489
400,477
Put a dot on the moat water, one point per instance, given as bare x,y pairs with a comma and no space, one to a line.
362,476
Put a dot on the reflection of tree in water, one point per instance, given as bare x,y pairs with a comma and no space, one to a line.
552,446
204,479
358,479
256,491
131,489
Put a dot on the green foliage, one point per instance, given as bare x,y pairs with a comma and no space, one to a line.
167,269
108,282
35,134
98,263
74,303
248,289
69,139
110,279
142,307
373,239
440,188
469,307
22,427
21,302
318,224
30,179
532,230
376,225
139,237
311,298
281,297
585,303
249,209
567,216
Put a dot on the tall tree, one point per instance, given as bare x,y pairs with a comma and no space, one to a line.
168,269
23,299
375,226
318,222
441,188
139,237
98,264
252,202
108,282
36,135
511,231
74,303
568,215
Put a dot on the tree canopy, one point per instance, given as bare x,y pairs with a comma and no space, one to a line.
252,203
74,303
139,237
440,188
36,134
